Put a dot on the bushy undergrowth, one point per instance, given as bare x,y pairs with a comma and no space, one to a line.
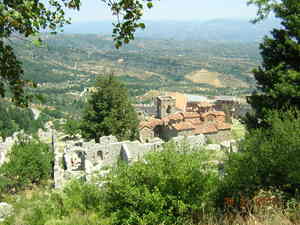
30,162
179,185
82,204
268,159
13,119
168,188
77,204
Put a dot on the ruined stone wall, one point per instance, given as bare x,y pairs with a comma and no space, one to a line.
146,134
85,160
185,132
222,135
5,147
193,141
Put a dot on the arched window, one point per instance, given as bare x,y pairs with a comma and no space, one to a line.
169,109
100,155
211,118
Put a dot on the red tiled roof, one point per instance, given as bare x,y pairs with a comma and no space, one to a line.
150,124
183,126
224,126
176,116
206,129
196,122
219,113
190,115
215,113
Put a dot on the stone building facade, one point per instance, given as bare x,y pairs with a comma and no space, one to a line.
84,160
198,117
166,105
88,160
78,159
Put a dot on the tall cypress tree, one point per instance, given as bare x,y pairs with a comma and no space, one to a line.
278,78
109,112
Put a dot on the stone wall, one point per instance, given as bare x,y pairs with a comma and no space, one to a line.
193,141
185,132
84,160
220,136
146,134
5,147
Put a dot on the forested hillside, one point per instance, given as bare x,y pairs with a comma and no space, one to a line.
66,64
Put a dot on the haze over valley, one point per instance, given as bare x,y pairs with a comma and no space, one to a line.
208,58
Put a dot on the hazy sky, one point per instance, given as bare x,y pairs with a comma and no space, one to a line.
94,10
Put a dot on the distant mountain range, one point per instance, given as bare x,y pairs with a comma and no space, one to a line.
213,30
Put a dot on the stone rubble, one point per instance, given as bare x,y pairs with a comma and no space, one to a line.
85,160
214,147
5,148
6,210
80,159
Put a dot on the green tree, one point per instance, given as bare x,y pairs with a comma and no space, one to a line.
172,186
267,159
30,163
278,78
71,127
109,112
175,185
27,18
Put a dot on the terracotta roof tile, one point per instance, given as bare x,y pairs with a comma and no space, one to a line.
183,126
196,122
206,129
216,113
190,115
219,113
176,116
150,124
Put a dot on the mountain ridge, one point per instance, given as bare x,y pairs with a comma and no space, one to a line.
217,30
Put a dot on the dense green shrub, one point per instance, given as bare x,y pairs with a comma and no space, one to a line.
14,119
169,187
71,127
30,162
53,113
268,158
77,204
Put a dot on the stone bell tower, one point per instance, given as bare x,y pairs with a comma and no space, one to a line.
165,106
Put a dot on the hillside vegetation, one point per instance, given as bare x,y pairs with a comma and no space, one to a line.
66,64
178,185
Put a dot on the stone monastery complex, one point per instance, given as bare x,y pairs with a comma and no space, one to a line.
187,115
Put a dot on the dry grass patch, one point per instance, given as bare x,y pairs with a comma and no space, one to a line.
205,77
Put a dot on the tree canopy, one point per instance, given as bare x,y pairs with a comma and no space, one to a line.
278,78
109,112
